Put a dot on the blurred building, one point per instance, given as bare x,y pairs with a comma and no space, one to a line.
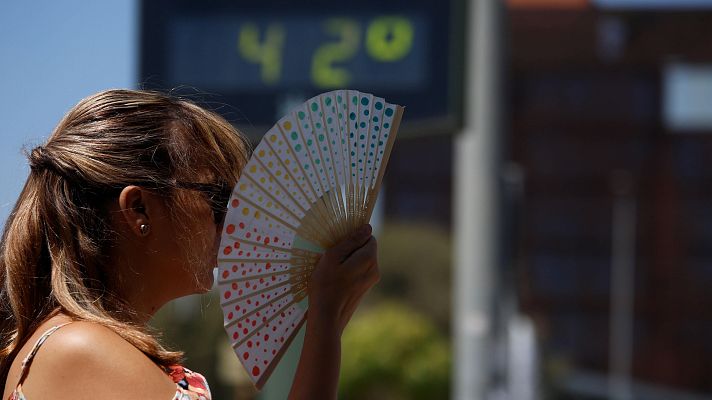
609,119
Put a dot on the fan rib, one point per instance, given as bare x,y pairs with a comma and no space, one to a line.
330,209
395,123
366,132
304,175
294,179
252,260
260,244
350,193
342,116
332,197
373,158
312,231
298,269
296,300
306,179
335,175
276,218
263,290
276,180
259,308
275,200
373,173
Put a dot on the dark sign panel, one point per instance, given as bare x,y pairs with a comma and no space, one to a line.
261,59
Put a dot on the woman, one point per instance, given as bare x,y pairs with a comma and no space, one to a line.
121,213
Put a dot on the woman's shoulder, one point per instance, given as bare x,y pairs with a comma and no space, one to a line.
88,360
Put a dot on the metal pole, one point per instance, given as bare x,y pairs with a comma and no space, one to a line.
476,198
622,287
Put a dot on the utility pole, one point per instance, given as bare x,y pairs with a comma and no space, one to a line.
476,197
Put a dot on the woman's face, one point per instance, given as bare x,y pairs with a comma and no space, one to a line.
182,246
199,239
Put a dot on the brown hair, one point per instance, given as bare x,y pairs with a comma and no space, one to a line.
53,254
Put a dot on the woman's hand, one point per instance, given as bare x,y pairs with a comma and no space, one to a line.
342,276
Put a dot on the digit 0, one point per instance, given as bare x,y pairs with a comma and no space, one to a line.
389,39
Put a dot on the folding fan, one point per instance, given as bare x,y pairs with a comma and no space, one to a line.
311,181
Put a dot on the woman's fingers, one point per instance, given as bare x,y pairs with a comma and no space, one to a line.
343,276
364,256
346,247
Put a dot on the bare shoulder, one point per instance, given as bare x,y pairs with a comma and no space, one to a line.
87,360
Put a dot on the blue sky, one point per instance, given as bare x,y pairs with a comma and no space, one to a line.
52,54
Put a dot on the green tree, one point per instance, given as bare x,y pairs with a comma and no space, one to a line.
392,352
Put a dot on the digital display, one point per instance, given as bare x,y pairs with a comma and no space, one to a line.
255,53
260,59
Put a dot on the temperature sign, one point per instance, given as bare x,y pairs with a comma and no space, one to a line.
320,52
261,57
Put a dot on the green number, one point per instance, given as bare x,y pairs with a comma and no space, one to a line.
389,39
324,73
268,53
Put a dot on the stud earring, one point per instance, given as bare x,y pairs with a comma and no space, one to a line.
144,228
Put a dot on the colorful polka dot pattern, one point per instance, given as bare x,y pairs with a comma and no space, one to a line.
332,142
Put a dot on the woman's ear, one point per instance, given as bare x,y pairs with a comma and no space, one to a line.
135,210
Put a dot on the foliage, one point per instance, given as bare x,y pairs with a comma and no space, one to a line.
392,352
415,262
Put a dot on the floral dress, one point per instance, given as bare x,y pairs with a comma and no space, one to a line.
189,385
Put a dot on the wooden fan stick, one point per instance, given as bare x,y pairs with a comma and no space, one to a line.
395,124
350,172
261,244
252,260
291,281
300,256
346,149
334,198
289,175
318,238
297,260
296,325
282,187
314,229
321,207
263,210
255,293
342,186
334,175
329,177
258,308
271,197
298,296
313,191
365,181
306,177
361,181
352,207
375,132
305,269
325,198
276,218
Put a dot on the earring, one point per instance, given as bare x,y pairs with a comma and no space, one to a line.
144,228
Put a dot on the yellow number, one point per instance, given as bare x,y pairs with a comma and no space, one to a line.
268,54
389,39
324,73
